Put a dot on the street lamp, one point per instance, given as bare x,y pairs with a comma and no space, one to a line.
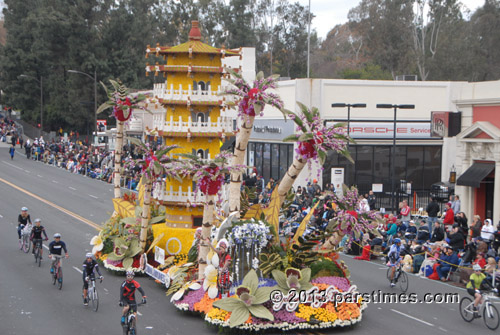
343,105
40,81
393,153
95,95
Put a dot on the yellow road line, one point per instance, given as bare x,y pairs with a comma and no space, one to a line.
64,210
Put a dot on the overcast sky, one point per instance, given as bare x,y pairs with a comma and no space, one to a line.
332,12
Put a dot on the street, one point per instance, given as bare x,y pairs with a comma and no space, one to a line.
72,204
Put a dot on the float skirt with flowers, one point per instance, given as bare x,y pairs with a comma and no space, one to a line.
303,315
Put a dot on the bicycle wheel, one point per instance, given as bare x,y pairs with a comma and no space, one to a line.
59,278
403,281
490,316
465,307
95,298
26,244
133,328
389,273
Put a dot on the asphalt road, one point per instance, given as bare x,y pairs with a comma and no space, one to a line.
32,305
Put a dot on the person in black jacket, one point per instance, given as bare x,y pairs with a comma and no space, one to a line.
438,233
461,219
456,238
432,211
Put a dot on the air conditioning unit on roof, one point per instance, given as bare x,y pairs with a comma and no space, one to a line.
407,77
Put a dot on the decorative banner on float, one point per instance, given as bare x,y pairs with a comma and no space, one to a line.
155,273
159,255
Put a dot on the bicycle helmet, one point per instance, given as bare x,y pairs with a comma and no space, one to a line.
397,240
37,220
57,235
88,255
24,209
476,267
130,273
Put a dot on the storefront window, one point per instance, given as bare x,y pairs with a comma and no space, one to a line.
415,167
364,166
271,160
283,159
432,165
275,157
266,163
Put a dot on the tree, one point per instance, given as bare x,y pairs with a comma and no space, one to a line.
430,17
385,25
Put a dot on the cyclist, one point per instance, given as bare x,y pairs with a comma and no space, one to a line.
89,265
36,236
55,249
127,295
22,220
394,258
476,283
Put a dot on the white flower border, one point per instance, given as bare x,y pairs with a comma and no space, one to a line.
116,268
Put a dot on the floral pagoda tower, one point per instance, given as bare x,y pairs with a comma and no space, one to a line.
194,116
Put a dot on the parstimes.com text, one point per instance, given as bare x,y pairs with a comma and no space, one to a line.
379,297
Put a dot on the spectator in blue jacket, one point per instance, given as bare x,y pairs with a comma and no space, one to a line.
447,261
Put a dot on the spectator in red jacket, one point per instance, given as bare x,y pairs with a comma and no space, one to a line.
449,217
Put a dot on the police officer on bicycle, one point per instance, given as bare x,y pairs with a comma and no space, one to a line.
89,266
55,248
36,235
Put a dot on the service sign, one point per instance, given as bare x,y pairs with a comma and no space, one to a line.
159,255
385,130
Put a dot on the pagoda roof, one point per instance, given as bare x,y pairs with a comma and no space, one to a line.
193,47
184,68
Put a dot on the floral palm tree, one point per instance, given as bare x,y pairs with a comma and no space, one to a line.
209,176
252,102
153,165
349,220
123,104
315,140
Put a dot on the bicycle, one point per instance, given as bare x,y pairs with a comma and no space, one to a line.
399,277
129,328
24,242
56,270
92,293
37,251
490,312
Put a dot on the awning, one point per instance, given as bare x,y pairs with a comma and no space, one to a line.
475,174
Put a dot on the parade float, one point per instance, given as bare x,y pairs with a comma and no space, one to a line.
235,270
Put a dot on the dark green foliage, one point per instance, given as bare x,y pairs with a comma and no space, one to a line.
302,254
325,267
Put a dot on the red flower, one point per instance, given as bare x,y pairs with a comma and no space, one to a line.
209,186
307,150
253,92
353,213
118,111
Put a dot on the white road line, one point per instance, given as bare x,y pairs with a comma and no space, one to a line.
413,318
441,328
27,171
77,269
72,188
39,176
55,181
17,167
139,313
45,246
1,216
93,196
105,289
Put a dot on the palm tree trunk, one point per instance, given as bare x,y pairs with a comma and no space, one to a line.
238,159
145,212
290,177
206,232
118,159
333,241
